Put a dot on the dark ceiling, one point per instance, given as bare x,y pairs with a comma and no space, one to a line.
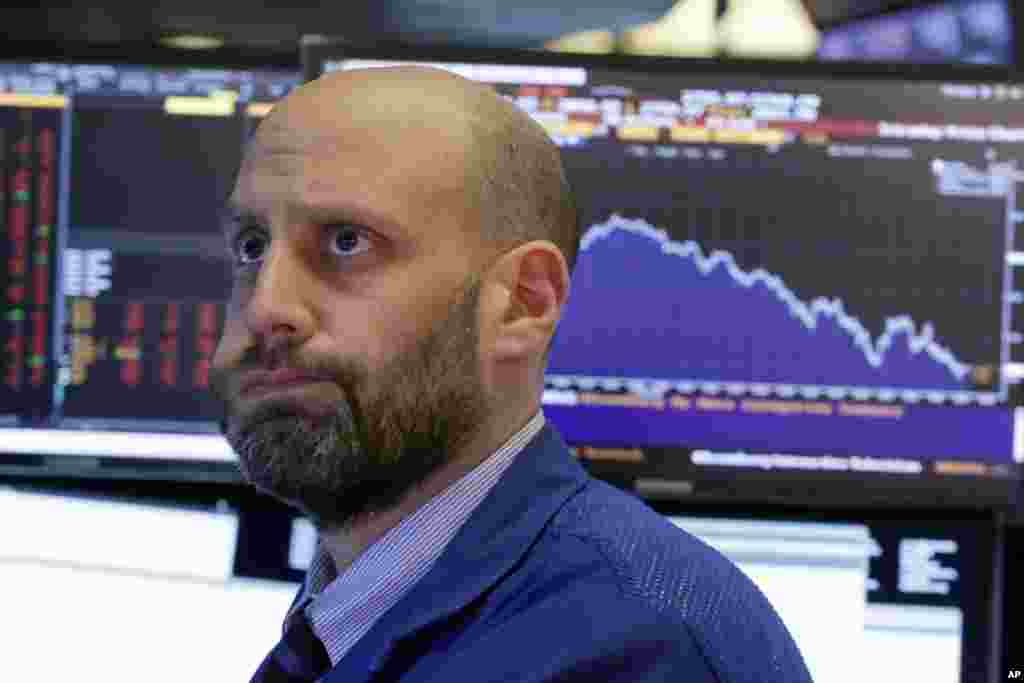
274,26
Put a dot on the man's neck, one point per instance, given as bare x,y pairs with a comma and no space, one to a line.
346,544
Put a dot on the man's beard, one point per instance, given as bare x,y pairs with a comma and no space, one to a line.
394,427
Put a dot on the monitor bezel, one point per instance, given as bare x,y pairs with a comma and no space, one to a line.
988,598
314,49
141,53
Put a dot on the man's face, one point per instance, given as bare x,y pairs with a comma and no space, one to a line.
352,265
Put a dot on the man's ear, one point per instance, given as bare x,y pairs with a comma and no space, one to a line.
532,284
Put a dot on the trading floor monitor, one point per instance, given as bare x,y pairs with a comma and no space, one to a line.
793,281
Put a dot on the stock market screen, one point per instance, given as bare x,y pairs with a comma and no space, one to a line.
116,272
907,599
29,159
782,277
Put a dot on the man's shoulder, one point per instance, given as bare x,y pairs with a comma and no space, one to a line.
635,539
652,560
657,568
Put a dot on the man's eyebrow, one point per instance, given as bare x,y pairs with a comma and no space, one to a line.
233,215
334,210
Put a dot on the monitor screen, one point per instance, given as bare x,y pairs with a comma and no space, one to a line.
905,599
955,31
116,273
131,582
785,276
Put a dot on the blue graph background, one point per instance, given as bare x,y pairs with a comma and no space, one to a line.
645,306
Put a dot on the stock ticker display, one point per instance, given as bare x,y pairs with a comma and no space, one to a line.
796,274
29,159
799,274
776,274
910,597
116,272
145,274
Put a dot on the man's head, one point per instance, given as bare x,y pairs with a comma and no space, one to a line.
404,236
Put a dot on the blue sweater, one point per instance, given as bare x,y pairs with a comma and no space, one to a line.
557,576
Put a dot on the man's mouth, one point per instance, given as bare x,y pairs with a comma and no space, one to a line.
261,382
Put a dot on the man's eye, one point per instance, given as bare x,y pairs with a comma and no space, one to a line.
249,247
346,240
342,240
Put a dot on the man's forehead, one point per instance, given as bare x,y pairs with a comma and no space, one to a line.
277,136
315,162
288,150
289,132
394,141
376,98
336,129
388,172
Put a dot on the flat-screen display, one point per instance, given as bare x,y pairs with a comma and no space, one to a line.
883,600
136,586
114,272
786,276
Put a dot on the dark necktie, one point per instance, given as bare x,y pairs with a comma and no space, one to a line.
300,657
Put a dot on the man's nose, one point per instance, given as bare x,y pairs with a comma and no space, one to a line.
279,300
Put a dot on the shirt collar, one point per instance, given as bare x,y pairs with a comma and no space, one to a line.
492,544
343,607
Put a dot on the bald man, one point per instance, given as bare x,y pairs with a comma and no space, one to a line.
402,241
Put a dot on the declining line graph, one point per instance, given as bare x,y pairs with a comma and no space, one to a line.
648,308
809,315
